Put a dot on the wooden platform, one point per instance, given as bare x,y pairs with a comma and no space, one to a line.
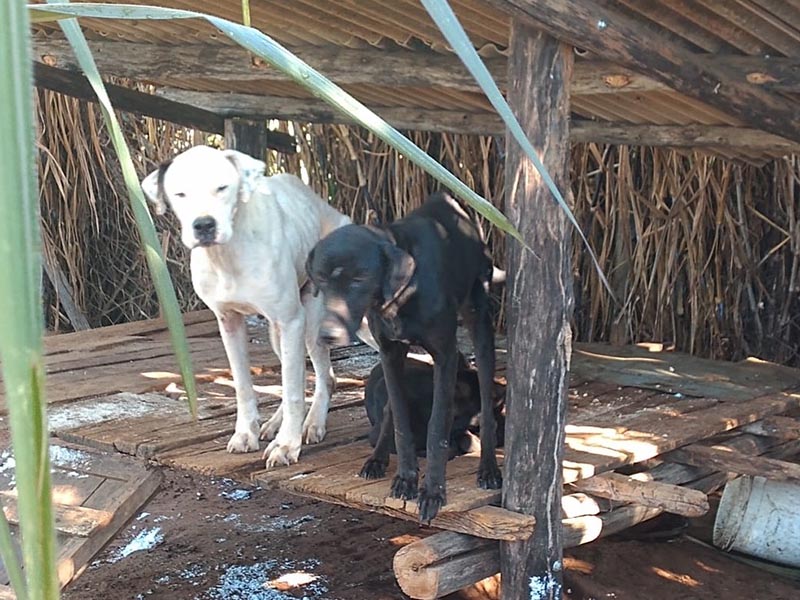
94,496
115,389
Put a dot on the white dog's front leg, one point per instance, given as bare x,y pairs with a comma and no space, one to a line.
234,337
285,448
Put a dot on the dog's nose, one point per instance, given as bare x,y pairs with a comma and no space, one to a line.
204,227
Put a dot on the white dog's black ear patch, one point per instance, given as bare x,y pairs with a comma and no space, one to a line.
153,187
250,169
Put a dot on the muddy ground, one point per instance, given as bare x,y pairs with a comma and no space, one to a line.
207,539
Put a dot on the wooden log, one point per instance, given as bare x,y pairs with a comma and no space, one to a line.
446,562
540,338
125,99
641,490
614,36
723,459
391,68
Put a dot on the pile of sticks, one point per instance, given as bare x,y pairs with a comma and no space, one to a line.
677,482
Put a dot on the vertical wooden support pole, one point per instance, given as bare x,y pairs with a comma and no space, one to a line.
246,136
541,302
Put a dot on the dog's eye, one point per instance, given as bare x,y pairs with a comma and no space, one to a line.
222,188
180,195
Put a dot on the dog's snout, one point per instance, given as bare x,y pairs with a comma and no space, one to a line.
332,333
205,228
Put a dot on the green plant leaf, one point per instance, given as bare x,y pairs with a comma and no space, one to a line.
448,24
21,324
144,222
265,47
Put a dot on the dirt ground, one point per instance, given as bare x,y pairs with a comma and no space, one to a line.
207,539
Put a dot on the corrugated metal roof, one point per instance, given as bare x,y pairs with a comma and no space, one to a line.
744,27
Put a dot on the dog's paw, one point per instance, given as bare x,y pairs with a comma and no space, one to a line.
404,487
373,469
243,441
429,502
270,429
313,428
280,453
490,477
313,434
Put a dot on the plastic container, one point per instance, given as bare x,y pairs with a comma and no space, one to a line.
760,517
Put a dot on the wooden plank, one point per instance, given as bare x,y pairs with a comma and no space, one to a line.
125,501
724,459
71,520
593,450
676,372
645,492
94,495
783,428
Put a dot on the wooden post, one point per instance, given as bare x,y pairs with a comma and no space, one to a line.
246,136
539,335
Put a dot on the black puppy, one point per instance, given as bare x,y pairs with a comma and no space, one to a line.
412,279
418,390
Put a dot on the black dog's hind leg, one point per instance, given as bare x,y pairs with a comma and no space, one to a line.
479,321
432,495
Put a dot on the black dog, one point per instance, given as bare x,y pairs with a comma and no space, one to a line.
412,279
418,391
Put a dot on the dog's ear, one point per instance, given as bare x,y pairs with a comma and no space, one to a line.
401,266
250,171
153,187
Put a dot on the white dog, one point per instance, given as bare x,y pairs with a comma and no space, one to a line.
249,237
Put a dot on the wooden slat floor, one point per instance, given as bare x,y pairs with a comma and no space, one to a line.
115,389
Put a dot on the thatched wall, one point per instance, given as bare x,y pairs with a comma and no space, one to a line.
701,253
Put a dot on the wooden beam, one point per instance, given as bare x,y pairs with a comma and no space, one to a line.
133,101
726,460
391,68
486,123
539,338
681,136
614,36
653,494
318,111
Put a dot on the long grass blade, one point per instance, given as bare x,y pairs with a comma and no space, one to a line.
449,25
21,322
9,555
265,47
144,222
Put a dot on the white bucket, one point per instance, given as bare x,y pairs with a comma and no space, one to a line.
760,517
